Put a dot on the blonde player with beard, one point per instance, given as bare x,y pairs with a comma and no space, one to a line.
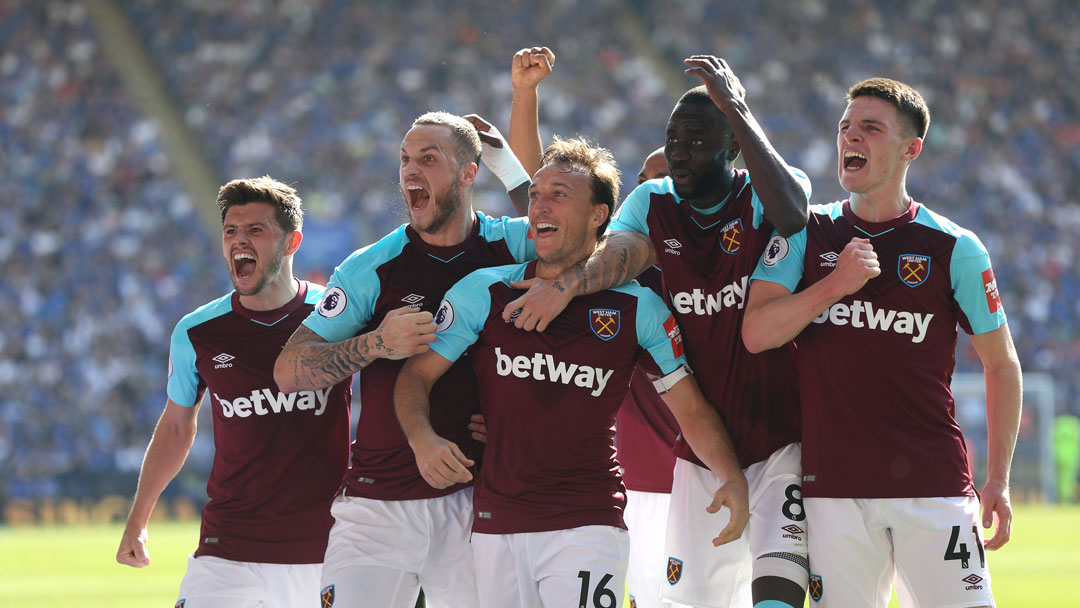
393,532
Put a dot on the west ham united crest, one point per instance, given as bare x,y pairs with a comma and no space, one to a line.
816,587
913,269
731,237
327,596
674,570
181,603
604,322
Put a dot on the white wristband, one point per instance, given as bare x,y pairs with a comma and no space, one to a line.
503,163
666,383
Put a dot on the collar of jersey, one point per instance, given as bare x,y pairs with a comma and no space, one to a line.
873,229
444,254
271,317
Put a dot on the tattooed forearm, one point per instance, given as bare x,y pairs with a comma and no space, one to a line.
312,363
380,345
619,258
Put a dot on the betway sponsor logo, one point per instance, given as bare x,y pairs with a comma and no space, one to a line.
262,402
863,314
700,303
545,367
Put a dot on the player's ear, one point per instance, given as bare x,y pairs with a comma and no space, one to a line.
468,174
292,242
600,215
733,150
912,150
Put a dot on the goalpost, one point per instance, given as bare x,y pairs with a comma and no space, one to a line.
1033,463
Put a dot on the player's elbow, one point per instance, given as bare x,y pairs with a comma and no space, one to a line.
753,334
286,381
793,220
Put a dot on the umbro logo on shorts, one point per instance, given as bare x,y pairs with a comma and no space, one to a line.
973,581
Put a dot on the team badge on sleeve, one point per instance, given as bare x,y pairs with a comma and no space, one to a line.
731,236
993,298
674,570
604,322
333,302
776,250
675,334
913,269
817,588
327,596
444,317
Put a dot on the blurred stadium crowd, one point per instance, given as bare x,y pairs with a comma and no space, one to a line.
102,251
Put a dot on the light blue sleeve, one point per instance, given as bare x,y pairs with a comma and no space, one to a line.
348,303
183,385
759,209
464,311
782,261
633,214
657,332
974,285
514,231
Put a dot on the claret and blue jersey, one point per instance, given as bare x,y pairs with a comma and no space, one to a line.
707,257
876,367
403,270
279,457
550,398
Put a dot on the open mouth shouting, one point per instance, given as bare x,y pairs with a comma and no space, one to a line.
853,161
418,197
244,264
545,229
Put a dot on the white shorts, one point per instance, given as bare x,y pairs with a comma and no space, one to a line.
214,582
583,566
773,544
382,551
931,547
646,517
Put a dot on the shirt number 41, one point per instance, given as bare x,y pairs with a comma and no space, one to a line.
959,550
602,597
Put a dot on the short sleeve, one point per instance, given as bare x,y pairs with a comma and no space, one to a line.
184,381
974,286
782,261
658,333
633,214
514,231
348,302
462,315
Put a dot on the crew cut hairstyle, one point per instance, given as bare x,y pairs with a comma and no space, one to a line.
288,209
595,162
466,140
908,102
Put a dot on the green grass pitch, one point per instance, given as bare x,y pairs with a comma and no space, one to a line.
44,567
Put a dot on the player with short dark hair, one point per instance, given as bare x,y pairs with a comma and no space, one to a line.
548,527
705,227
279,455
872,292
393,532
